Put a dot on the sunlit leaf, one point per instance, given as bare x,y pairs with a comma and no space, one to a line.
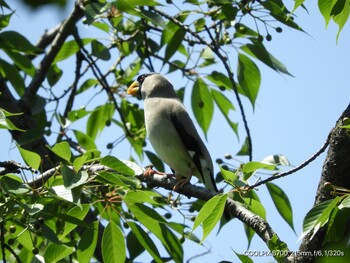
251,167
157,225
249,77
276,159
78,212
12,40
202,104
210,214
318,216
99,50
174,43
56,252
13,184
87,244
31,158
70,48
84,140
282,203
258,50
225,106
145,241
54,74
113,244
62,149
117,165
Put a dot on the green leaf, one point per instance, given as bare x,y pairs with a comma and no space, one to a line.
62,149
337,225
282,203
142,196
248,77
75,115
117,165
202,104
73,179
153,17
70,48
276,159
87,84
210,214
243,258
245,148
113,244
10,72
325,7
280,13
5,20
255,206
157,225
84,140
225,106
318,216
5,123
87,244
31,158
342,15
258,50
158,163
118,180
77,212
251,167
345,203
79,162
98,119
281,249
54,74
12,40
22,62
229,176
220,80
56,252
13,184
174,43
145,241
99,50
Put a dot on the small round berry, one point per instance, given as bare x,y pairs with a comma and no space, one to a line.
12,229
35,250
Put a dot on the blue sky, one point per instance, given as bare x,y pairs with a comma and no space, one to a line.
293,117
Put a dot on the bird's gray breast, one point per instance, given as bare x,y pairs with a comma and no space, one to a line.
163,135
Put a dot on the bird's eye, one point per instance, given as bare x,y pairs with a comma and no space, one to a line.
141,78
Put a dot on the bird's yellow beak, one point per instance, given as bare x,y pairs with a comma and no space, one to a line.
134,88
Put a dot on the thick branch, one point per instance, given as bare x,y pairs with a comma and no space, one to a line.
335,171
259,225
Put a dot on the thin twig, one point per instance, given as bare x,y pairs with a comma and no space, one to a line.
291,171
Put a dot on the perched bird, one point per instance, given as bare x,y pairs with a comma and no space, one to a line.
171,130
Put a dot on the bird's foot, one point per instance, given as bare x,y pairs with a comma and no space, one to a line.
149,171
181,183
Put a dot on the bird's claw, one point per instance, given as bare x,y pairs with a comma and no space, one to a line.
149,171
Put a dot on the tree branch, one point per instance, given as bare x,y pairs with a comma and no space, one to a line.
335,171
294,170
64,31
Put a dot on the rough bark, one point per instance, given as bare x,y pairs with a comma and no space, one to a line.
335,171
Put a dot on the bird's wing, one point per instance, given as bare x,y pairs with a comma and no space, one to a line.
192,142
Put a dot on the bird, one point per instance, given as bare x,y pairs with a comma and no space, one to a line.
171,130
